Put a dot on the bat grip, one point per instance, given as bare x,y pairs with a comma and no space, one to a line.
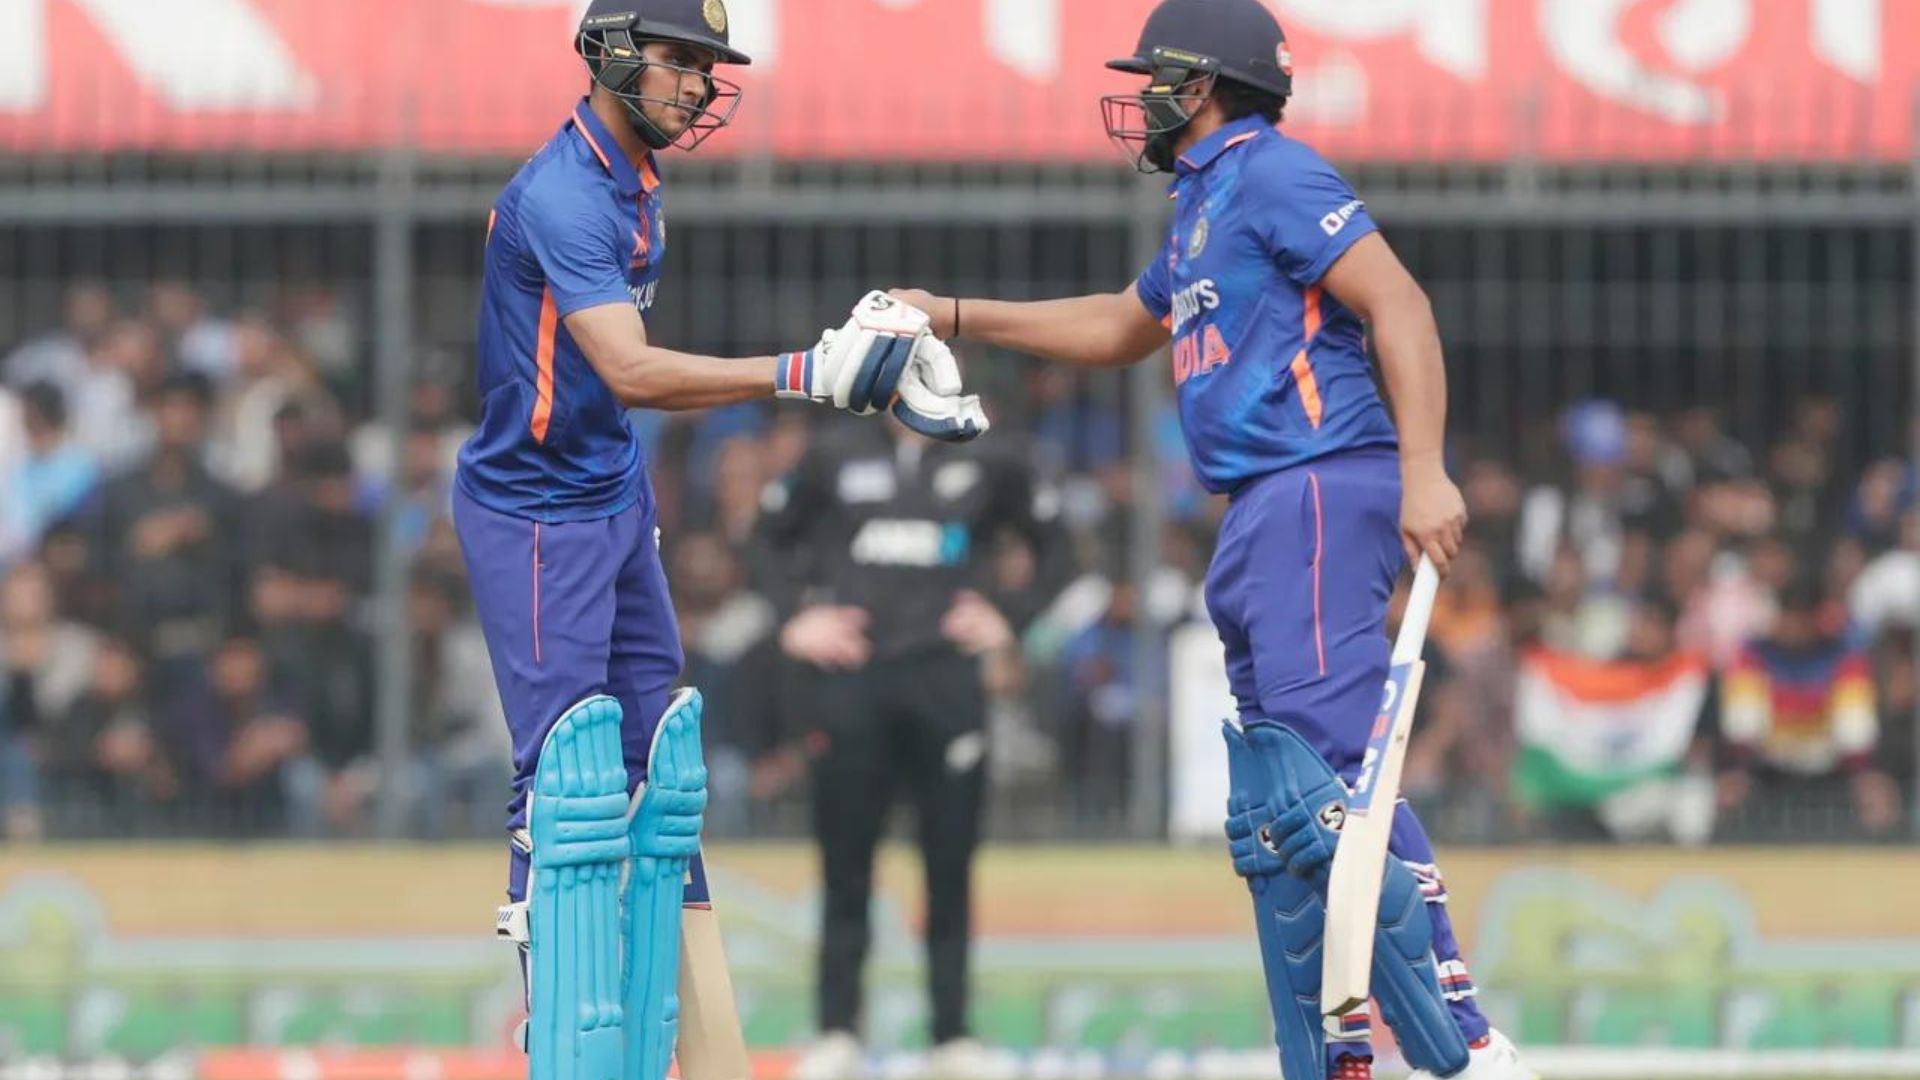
1413,624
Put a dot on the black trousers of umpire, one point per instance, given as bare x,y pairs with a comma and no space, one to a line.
913,726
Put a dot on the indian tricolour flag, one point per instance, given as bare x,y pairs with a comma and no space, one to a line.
1589,729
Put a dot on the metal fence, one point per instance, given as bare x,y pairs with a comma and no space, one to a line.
1751,291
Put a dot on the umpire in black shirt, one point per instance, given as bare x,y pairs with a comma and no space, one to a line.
878,550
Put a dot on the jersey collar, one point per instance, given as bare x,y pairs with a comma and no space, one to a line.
632,182
1203,153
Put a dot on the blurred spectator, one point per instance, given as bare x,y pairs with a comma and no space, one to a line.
48,658
64,354
52,478
1884,494
323,328
1584,518
1804,490
106,396
1887,592
1096,740
105,763
459,777
739,475
1800,727
1735,601
1467,738
1702,453
1897,689
728,635
424,489
1574,617
1493,496
431,411
235,745
195,340
1071,430
313,546
272,386
45,667
165,536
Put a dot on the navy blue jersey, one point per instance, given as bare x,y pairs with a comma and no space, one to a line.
1271,370
576,228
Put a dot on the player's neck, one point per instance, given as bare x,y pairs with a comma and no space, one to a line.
1204,123
613,115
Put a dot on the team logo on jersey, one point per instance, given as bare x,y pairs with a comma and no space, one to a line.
716,13
1197,243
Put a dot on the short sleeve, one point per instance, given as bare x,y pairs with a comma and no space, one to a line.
1307,213
1154,286
575,247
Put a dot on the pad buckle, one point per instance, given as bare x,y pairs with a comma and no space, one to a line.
510,922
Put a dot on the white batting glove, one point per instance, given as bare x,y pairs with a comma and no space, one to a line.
857,367
931,401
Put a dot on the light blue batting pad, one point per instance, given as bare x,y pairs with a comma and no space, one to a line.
663,834
577,819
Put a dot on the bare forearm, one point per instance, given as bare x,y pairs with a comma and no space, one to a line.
670,381
1414,367
642,375
1102,330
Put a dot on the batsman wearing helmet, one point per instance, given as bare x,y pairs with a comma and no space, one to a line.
1271,270
556,519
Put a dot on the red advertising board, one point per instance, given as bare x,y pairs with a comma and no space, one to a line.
1420,80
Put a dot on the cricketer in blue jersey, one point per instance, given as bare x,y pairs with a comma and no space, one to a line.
556,520
1271,272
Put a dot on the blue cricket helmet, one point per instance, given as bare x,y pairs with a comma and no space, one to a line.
610,38
1186,48
1240,40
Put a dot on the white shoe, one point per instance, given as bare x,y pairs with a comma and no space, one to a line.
969,1059
1497,1060
836,1055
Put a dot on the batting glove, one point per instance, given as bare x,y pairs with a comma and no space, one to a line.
930,401
857,367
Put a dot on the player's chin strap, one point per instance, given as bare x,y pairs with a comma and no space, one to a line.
1283,814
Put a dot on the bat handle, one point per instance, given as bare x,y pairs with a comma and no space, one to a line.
1413,624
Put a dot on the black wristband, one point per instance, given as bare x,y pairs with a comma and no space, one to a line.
956,316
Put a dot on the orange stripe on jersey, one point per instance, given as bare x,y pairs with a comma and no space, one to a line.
587,134
1303,379
543,363
1238,139
493,216
649,179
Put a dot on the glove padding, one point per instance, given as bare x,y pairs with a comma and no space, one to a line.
1294,841
930,400
857,367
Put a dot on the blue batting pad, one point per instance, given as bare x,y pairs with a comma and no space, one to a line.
576,819
1274,772
663,834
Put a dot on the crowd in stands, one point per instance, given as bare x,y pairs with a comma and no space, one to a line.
190,504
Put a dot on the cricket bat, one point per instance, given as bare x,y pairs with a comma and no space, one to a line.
711,1045
1353,891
